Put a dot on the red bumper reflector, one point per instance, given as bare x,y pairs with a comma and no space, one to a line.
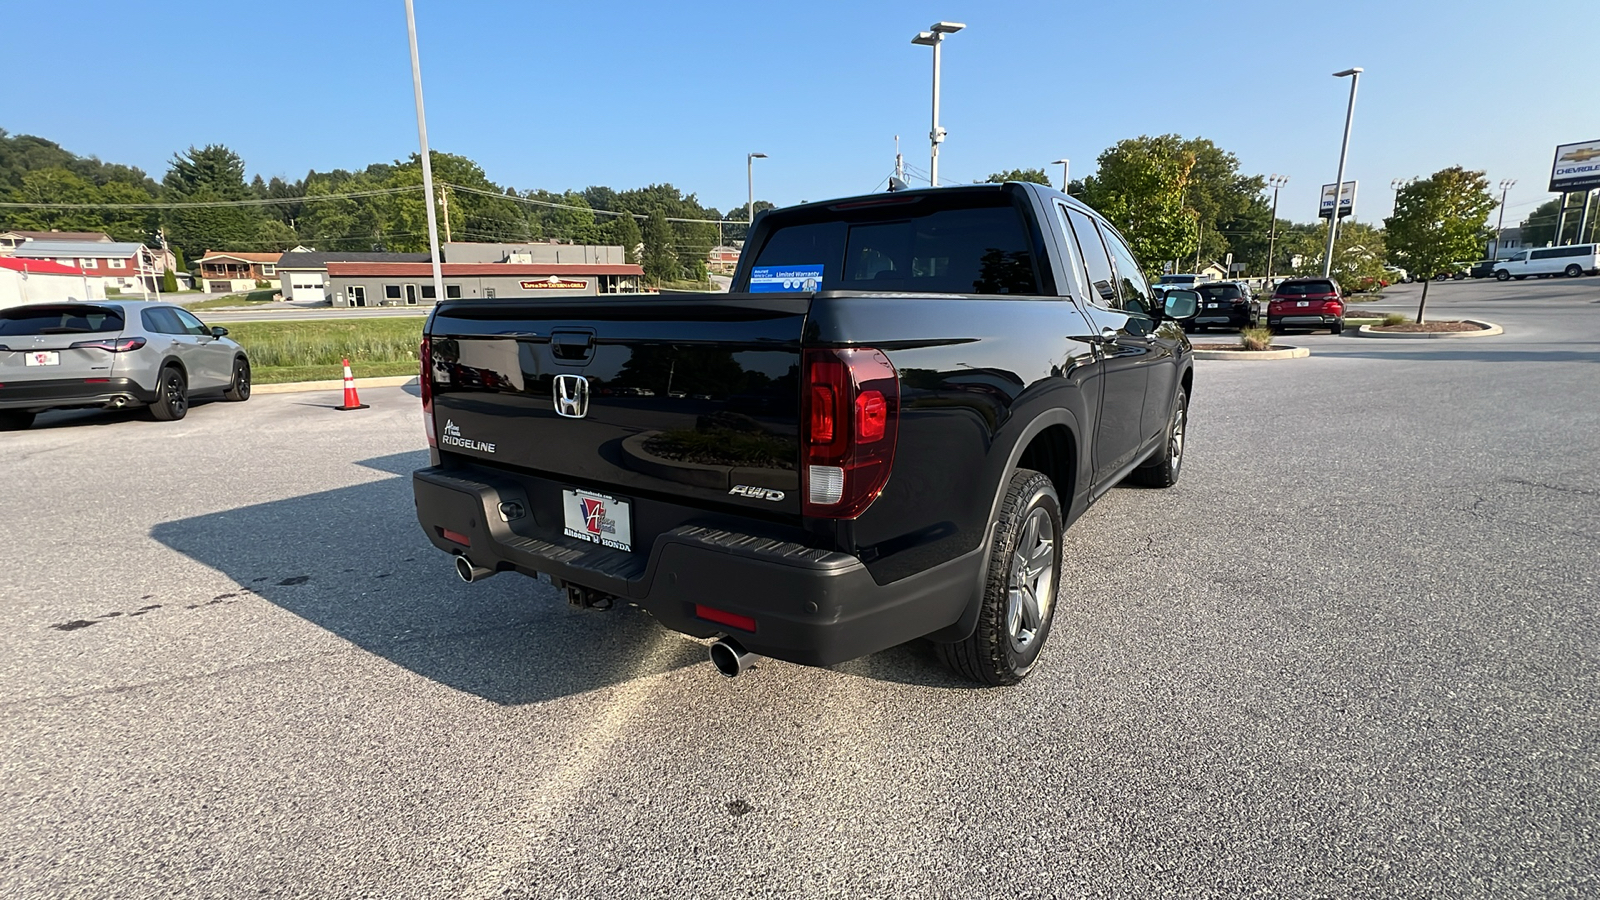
723,617
97,381
455,536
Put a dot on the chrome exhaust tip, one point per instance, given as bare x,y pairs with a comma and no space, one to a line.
469,572
731,658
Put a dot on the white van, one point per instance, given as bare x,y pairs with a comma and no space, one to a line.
1572,261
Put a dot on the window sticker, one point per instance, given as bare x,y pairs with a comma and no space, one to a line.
775,279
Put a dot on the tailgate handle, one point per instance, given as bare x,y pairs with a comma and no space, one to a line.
572,346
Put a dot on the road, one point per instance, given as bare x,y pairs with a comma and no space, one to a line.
1352,654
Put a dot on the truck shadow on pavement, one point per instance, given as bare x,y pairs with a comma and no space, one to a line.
354,561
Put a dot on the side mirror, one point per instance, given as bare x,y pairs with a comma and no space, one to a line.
1181,304
218,331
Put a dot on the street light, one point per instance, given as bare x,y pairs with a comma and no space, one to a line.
427,162
1338,183
1505,187
1064,182
750,182
1277,182
934,37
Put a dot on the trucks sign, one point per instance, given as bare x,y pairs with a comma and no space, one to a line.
1347,200
1577,168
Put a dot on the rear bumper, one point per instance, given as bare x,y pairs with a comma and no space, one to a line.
69,392
814,607
1236,318
1303,320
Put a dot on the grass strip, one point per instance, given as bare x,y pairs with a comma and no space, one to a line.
261,296
286,374
320,343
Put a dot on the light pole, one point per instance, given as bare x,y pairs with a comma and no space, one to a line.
750,182
1338,183
1277,182
934,37
427,162
1063,163
1505,187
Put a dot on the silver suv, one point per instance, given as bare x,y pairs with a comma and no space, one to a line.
113,355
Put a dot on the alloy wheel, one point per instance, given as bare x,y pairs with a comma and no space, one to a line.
1031,590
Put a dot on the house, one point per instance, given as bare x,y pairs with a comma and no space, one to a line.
1508,245
115,265
11,240
722,260
411,283
44,281
224,272
304,273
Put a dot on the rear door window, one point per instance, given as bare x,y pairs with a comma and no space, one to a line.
74,319
160,320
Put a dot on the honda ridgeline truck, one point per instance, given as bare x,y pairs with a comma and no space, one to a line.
879,434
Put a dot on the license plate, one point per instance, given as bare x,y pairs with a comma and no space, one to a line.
43,358
1303,303
597,518
1213,306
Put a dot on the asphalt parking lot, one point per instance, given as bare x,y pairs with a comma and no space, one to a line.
1352,654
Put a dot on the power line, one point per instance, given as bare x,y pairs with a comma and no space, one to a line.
207,204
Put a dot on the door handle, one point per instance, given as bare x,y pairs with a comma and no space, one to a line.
1108,335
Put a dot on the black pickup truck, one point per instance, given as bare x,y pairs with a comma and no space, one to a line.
879,435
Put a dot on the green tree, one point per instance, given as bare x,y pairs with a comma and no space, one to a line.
1036,176
1439,222
660,255
624,232
169,281
212,174
1139,186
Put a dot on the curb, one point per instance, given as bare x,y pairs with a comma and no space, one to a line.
1262,355
337,384
1486,329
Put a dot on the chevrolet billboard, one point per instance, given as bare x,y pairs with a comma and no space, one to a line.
1577,168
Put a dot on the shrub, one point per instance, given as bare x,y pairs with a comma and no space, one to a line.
1394,319
1257,338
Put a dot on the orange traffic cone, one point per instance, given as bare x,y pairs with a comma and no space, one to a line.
351,399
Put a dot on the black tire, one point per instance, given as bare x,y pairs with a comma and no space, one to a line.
1337,327
1574,270
1162,469
16,420
1023,562
172,396
1502,275
239,388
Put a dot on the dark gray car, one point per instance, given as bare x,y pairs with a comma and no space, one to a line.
113,355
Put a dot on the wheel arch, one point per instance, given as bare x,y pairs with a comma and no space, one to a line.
1052,439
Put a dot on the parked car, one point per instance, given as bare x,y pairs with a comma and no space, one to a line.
113,355
1226,303
1482,268
1307,302
1397,275
996,339
1572,260
1181,280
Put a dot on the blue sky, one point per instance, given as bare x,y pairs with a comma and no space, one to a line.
630,93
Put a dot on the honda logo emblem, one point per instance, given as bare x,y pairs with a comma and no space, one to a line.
571,396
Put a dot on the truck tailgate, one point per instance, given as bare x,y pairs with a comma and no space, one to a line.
683,397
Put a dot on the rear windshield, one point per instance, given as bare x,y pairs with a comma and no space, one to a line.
1220,291
1301,288
59,320
955,244
1177,279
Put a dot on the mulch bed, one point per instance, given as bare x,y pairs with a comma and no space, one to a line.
1234,346
1413,327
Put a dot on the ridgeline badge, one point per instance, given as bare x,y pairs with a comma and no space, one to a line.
452,437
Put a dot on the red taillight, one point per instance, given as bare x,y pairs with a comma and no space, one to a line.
723,617
852,415
425,385
112,345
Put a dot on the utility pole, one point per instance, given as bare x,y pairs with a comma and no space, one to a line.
1198,228
750,183
1277,182
444,206
899,161
1338,183
1583,224
1505,186
934,37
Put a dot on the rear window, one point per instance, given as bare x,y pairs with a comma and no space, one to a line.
1301,288
975,244
1219,291
59,320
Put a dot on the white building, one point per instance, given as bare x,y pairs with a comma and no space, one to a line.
43,281
123,267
